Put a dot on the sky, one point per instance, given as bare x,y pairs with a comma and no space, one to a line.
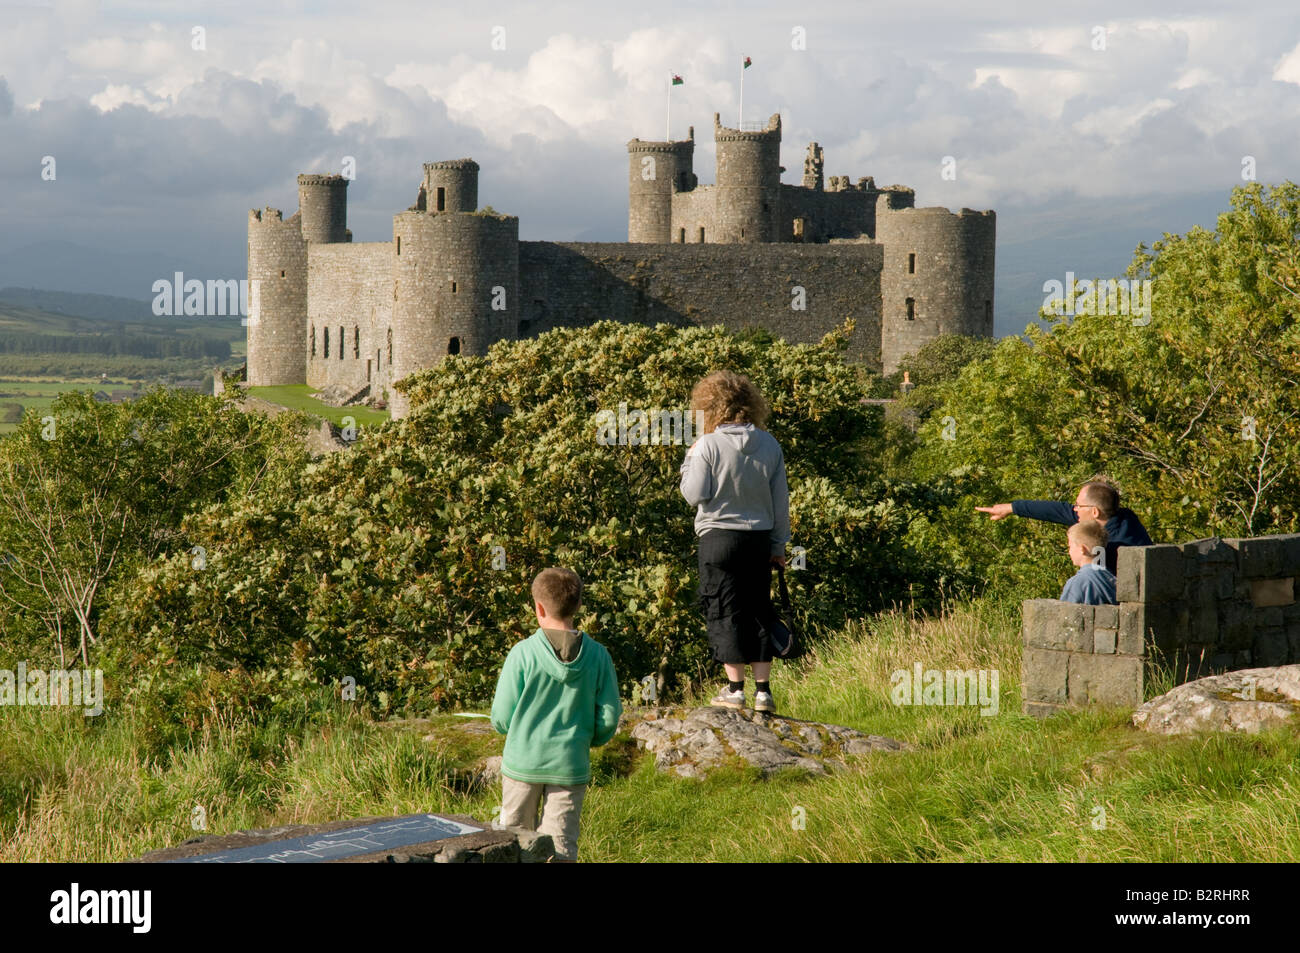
1087,127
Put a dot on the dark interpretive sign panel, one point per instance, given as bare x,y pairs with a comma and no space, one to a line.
390,834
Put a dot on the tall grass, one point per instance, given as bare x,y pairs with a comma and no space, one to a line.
1079,786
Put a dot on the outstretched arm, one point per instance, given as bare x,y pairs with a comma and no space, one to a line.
1050,511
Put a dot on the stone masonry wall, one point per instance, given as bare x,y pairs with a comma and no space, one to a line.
738,286
349,287
1204,607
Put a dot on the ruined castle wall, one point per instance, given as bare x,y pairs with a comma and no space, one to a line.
277,300
456,282
949,282
350,296
826,215
573,284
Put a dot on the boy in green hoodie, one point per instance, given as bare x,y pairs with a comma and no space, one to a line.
556,698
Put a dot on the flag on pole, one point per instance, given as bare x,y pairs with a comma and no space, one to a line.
748,63
677,80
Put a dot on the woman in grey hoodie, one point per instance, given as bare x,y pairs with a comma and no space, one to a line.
734,475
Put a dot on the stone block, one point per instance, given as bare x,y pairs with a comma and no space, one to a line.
1211,550
1236,625
1262,556
1293,644
1128,574
1241,659
1161,576
1291,554
1103,641
1203,623
1273,592
1291,613
1270,647
1045,675
1105,680
1268,618
1132,633
1105,617
1064,626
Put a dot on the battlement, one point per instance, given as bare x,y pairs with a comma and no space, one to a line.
330,179
723,133
463,165
676,148
271,215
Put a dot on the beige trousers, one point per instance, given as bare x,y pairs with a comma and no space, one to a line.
560,816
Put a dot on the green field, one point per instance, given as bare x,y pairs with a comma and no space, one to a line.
299,397
38,394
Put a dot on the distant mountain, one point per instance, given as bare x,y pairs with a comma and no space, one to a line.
95,307
66,266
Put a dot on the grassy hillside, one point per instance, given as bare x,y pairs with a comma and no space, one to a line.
1002,787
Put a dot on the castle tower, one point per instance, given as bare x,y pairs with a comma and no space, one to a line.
937,276
323,205
451,186
655,171
277,299
749,182
455,285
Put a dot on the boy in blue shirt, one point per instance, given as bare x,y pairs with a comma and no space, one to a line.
1093,584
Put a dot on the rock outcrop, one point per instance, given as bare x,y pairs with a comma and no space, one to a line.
690,741
1243,701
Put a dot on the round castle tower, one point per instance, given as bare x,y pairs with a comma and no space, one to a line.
277,277
937,276
277,299
655,171
749,182
451,186
455,285
323,204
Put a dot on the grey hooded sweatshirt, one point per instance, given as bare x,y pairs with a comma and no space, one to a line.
735,477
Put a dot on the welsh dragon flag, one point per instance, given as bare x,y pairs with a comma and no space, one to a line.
748,63
677,80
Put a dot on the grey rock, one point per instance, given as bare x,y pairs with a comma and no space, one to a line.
1244,701
690,741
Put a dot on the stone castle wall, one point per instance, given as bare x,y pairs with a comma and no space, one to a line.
573,284
1204,607
350,297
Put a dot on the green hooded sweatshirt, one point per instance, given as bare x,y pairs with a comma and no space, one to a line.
552,713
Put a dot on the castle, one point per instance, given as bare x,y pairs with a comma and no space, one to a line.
748,251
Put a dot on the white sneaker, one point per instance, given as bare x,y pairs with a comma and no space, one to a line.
763,701
728,699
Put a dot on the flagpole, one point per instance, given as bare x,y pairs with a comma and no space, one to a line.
740,119
668,113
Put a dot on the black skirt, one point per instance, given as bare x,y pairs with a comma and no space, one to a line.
736,594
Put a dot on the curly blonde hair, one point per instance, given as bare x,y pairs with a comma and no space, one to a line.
727,397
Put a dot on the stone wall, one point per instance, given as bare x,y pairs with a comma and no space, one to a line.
1199,608
349,289
573,284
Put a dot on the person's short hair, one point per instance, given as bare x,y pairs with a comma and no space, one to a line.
559,590
1089,533
724,396
1103,496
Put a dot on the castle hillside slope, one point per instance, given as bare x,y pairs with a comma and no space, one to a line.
747,252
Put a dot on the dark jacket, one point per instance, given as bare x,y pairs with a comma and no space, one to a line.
1122,529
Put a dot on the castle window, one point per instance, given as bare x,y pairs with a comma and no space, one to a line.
327,340
453,346
313,340
681,235
442,199
911,263
390,347
523,328
742,233
367,370
701,234
379,360
453,287
911,309
342,341
282,274
399,244
798,229
356,341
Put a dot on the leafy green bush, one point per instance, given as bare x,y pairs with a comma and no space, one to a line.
381,565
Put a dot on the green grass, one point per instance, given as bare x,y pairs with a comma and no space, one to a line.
38,394
299,397
1003,787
